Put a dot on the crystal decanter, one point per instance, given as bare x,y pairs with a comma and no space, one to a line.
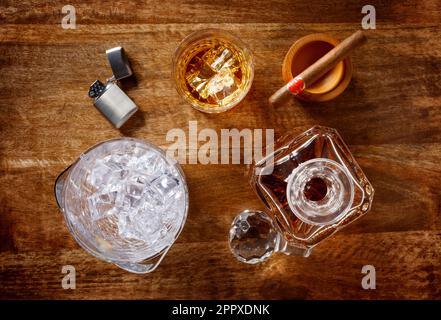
312,187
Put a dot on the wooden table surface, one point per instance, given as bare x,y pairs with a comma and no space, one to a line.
390,116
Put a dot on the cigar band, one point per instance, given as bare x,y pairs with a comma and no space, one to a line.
296,85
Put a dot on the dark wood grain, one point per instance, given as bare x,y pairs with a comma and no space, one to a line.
389,116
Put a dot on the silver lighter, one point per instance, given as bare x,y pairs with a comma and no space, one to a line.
109,99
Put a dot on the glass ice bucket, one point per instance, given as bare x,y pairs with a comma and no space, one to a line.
124,202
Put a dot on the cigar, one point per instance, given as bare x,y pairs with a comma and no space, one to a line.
319,68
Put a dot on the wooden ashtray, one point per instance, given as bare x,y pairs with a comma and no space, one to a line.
303,53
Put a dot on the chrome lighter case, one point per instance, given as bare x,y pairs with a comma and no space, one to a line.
109,99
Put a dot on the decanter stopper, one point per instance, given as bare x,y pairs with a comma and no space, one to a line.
252,237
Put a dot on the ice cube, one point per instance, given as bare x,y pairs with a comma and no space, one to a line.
153,200
119,165
108,197
135,188
222,85
141,179
144,226
101,203
129,204
198,78
137,152
214,77
218,60
150,163
165,185
99,174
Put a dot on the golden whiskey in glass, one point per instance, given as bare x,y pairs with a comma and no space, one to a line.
213,70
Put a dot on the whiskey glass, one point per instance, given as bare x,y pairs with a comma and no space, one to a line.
312,187
124,202
213,70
